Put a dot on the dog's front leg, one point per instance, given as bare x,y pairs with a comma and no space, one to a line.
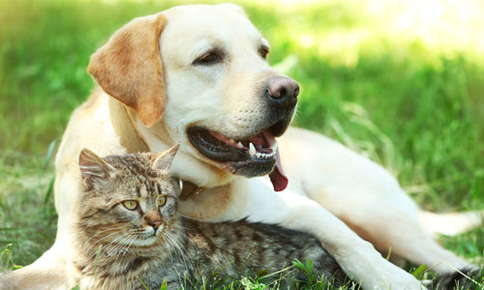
357,258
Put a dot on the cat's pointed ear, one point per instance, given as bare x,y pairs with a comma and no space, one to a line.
163,160
93,168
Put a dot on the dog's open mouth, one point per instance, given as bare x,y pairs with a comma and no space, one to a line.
253,156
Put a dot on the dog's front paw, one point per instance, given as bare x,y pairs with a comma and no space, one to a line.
390,277
373,272
402,282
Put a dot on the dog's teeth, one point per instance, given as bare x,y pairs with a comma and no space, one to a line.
252,150
239,144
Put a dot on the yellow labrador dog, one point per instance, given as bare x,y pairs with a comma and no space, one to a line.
197,75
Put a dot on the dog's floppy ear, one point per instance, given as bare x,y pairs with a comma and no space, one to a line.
129,68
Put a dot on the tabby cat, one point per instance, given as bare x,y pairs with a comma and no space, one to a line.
131,237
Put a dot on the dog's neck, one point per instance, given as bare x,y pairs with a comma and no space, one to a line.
123,123
200,202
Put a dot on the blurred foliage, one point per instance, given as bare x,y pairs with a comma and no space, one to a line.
399,81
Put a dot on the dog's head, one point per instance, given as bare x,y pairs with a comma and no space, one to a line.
198,75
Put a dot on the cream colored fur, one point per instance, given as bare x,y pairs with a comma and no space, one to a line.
333,192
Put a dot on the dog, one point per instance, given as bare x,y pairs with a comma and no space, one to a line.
198,75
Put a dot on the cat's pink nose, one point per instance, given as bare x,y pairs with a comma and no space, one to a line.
155,224
153,219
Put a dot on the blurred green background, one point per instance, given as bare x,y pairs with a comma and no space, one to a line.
401,82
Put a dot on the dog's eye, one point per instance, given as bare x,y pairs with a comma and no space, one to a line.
264,51
210,57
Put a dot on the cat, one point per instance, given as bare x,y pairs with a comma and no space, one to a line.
130,235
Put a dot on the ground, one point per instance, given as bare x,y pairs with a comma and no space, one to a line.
401,82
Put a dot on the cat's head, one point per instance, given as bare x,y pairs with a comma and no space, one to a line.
128,200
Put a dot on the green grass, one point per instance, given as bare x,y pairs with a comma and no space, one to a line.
413,101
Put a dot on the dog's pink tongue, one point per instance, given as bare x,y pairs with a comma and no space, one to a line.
277,176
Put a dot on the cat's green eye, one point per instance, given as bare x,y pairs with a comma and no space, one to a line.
130,204
161,200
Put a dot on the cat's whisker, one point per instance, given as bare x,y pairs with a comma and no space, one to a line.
111,248
173,254
178,249
118,243
114,230
98,241
129,245
99,249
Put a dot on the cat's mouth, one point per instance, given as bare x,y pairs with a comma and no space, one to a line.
146,238
250,156
146,241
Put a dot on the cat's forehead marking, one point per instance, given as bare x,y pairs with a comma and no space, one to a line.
137,178
143,191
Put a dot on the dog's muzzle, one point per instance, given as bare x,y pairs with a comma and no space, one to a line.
257,154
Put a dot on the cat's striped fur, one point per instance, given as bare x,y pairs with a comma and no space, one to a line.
117,253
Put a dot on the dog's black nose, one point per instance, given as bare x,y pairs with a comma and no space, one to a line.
282,91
